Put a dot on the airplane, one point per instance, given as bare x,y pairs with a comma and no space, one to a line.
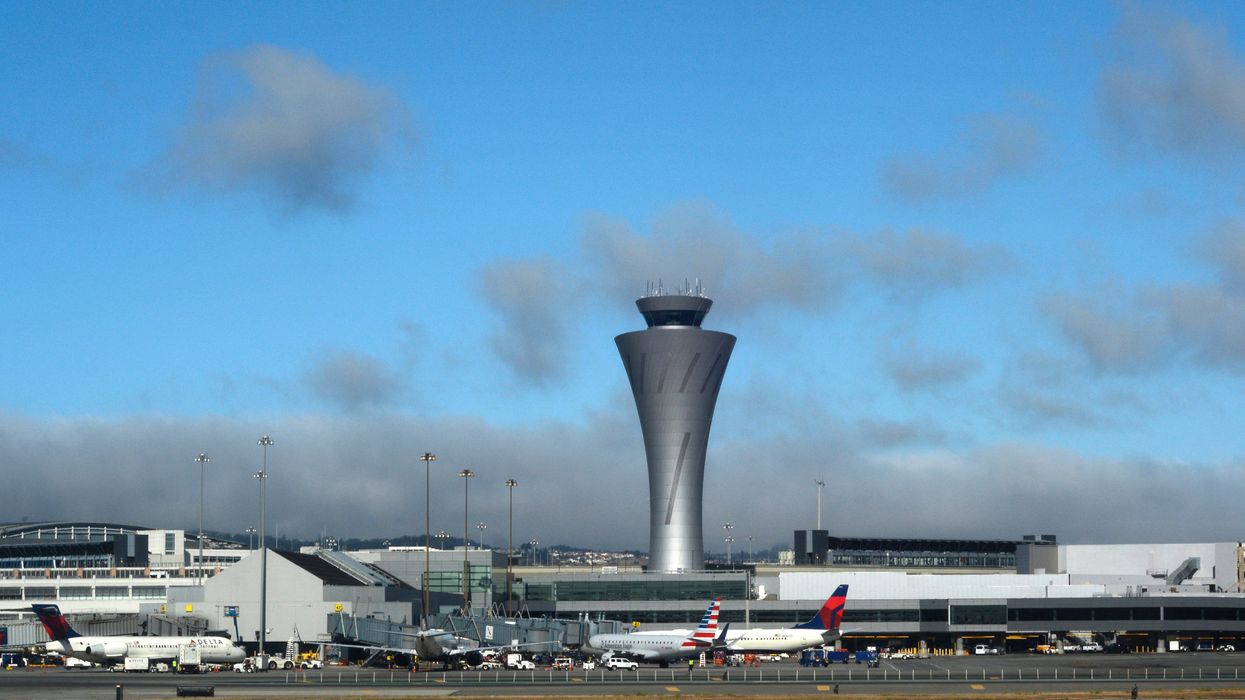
441,646
114,650
662,648
821,630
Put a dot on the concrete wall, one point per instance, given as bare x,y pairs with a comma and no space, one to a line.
1218,560
887,585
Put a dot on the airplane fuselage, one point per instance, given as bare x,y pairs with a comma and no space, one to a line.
212,650
777,641
652,648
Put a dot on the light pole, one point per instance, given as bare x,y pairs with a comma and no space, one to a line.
427,458
202,459
466,474
250,538
534,542
510,484
750,548
728,527
481,526
820,485
443,536
264,442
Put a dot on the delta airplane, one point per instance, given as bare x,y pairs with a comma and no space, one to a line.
663,648
114,650
821,630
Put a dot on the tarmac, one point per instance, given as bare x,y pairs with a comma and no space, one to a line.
1173,675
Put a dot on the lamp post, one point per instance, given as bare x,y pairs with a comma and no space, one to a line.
510,484
264,442
728,527
534,542
481,526
427,458
443,536
750,548
250,538
202,459
466,474
820,485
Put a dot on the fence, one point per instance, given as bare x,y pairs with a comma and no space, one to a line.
365,676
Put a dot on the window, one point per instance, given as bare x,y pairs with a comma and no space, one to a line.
75,592
979,614
170,543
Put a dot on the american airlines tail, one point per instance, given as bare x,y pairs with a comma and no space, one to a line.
831,613
707,631
54,623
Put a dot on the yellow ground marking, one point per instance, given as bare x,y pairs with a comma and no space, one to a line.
672,689
977,686
823,688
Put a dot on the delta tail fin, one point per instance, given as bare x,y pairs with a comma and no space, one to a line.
831,613
54,623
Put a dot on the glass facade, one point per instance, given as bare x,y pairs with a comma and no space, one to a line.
608,588
452,581
924,560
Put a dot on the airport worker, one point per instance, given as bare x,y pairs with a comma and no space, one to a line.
691,664
1134,691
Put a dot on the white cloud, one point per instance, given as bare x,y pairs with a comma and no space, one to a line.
283,124
994,147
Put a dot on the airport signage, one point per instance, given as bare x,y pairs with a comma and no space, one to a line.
231,611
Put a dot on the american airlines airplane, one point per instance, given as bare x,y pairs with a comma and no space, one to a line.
662,648
114,650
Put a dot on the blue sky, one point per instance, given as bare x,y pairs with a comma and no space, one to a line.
986,261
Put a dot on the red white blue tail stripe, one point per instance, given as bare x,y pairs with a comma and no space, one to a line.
707,631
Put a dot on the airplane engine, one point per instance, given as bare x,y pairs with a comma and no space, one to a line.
108,650
474,658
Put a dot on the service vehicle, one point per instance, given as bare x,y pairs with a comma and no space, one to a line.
516,662
136,664
618,663
189,659
564,663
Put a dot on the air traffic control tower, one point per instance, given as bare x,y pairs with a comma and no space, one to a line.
676,369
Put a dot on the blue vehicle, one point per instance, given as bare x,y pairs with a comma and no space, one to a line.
823,657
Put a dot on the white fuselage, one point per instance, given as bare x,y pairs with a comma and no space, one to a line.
776,641
780,640
212,650
645,647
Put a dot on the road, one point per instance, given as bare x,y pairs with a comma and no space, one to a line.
1156,675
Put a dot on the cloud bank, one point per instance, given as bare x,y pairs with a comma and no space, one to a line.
359,477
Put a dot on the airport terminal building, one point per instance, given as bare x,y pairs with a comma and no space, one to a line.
932,595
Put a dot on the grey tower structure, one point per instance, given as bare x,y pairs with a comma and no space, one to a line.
676,369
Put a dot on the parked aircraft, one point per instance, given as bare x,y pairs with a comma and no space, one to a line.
114,650
821,630
663,648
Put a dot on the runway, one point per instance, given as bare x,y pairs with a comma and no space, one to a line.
1155,675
